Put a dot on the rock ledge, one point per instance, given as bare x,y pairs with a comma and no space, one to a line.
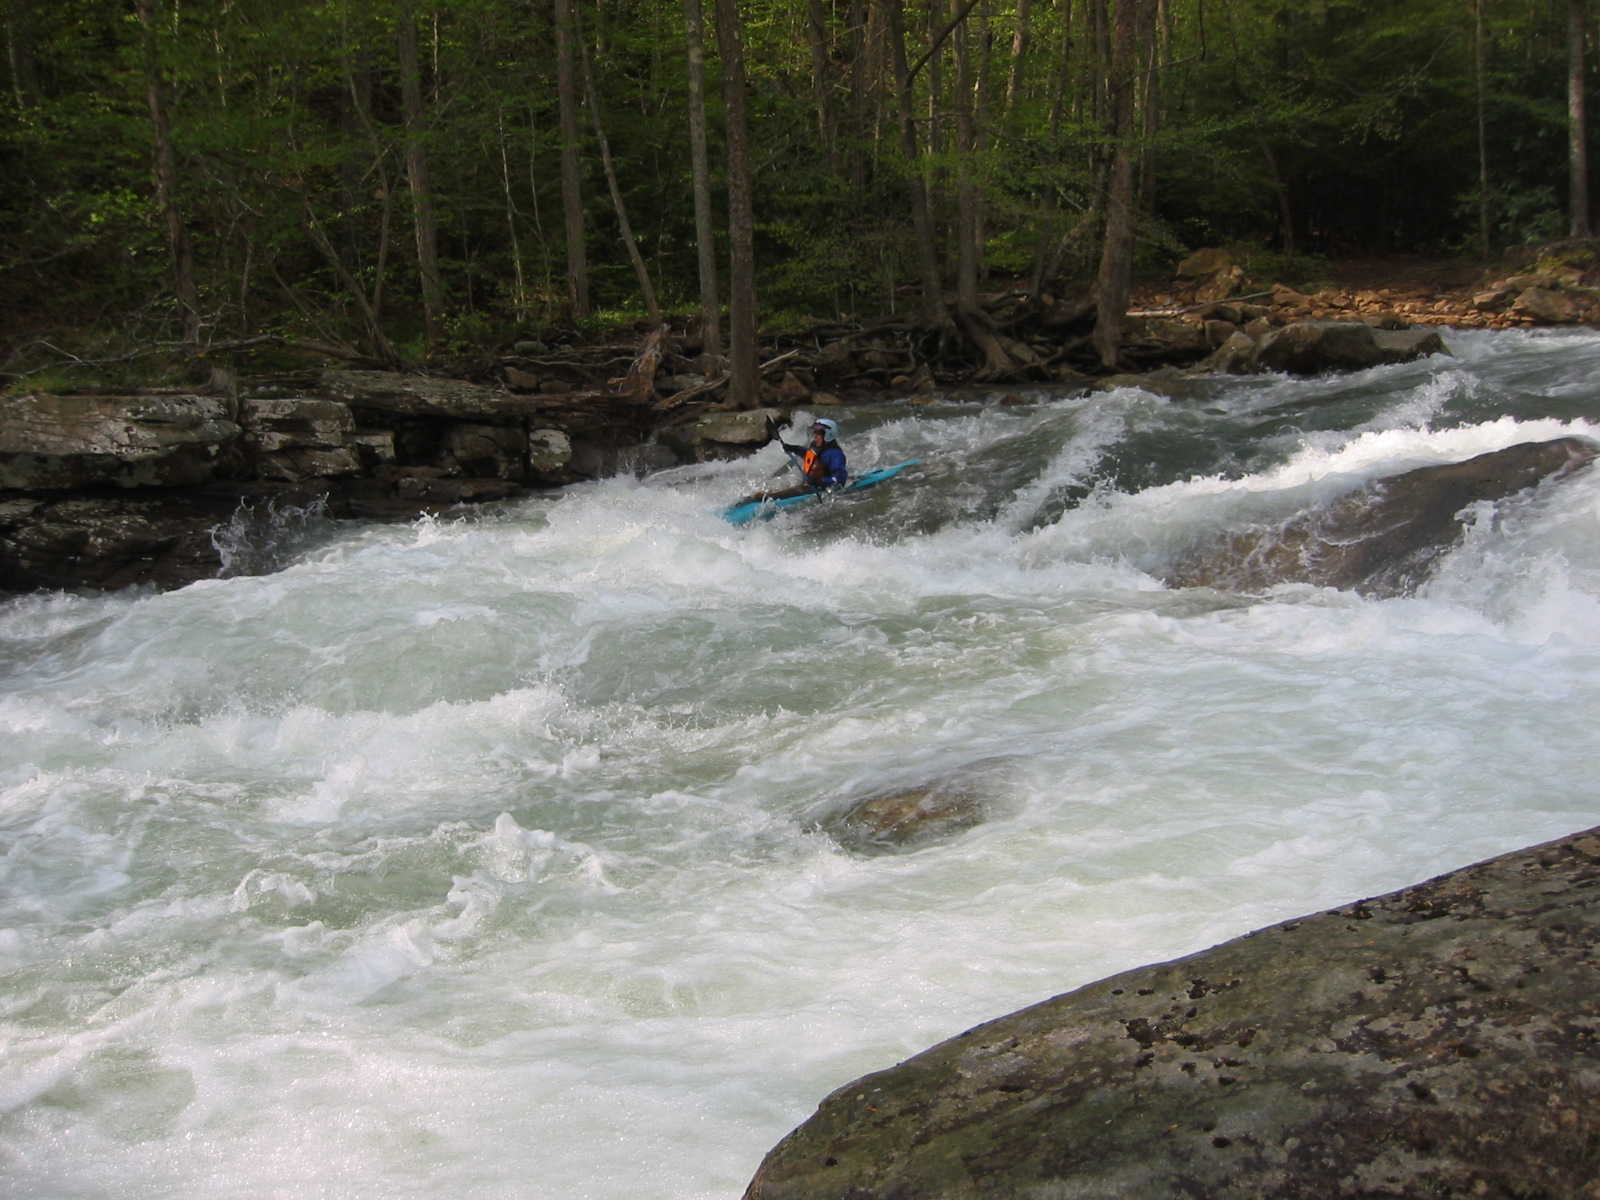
1437,1041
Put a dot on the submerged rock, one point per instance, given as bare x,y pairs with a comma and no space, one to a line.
1383,539
1436,1041
905,818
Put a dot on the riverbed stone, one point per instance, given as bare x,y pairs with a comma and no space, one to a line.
1440,1040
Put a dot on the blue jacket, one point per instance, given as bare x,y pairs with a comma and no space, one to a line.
831,458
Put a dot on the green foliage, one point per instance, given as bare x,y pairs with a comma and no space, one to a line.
1524,216
1328,127
1269,267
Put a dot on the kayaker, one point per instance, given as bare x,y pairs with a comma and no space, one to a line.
821,461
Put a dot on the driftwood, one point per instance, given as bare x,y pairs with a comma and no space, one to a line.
1176,312
639,384
719,381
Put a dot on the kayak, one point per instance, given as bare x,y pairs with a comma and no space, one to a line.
764,510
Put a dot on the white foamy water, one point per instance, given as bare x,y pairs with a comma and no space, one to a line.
478,858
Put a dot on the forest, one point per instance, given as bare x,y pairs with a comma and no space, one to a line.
403,181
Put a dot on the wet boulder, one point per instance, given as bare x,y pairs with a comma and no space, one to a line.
1317,347
1546,306
906,818
1435,1041
1382,539
721,433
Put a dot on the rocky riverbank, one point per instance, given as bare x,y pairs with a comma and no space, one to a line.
1436,1041
163,487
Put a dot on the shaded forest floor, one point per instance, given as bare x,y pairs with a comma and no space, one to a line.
1417,282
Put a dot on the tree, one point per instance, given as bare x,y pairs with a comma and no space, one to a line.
1116,257
933,311
1479,88
571,182
419,179
1577,124
744,384
641,272
19,52
165,173
700,163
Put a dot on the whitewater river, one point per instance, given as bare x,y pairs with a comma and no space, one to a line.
478,858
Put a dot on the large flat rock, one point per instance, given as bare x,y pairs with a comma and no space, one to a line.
1437,1041
51,442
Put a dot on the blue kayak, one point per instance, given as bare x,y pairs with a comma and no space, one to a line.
764,510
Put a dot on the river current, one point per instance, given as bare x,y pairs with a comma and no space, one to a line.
479,857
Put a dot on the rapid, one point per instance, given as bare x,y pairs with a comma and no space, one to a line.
479,857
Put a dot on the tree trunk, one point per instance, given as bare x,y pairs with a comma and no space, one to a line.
821,73
1114,279
571,186
624,227
966,184
361,105
1577,123
974,323
519,295
1479,70
933,310
700,162
1045,252
861,73
1287,222
1019,56
744,386
423,221
165,172
377,341
19,52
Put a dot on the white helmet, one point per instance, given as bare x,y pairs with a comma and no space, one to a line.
828,426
